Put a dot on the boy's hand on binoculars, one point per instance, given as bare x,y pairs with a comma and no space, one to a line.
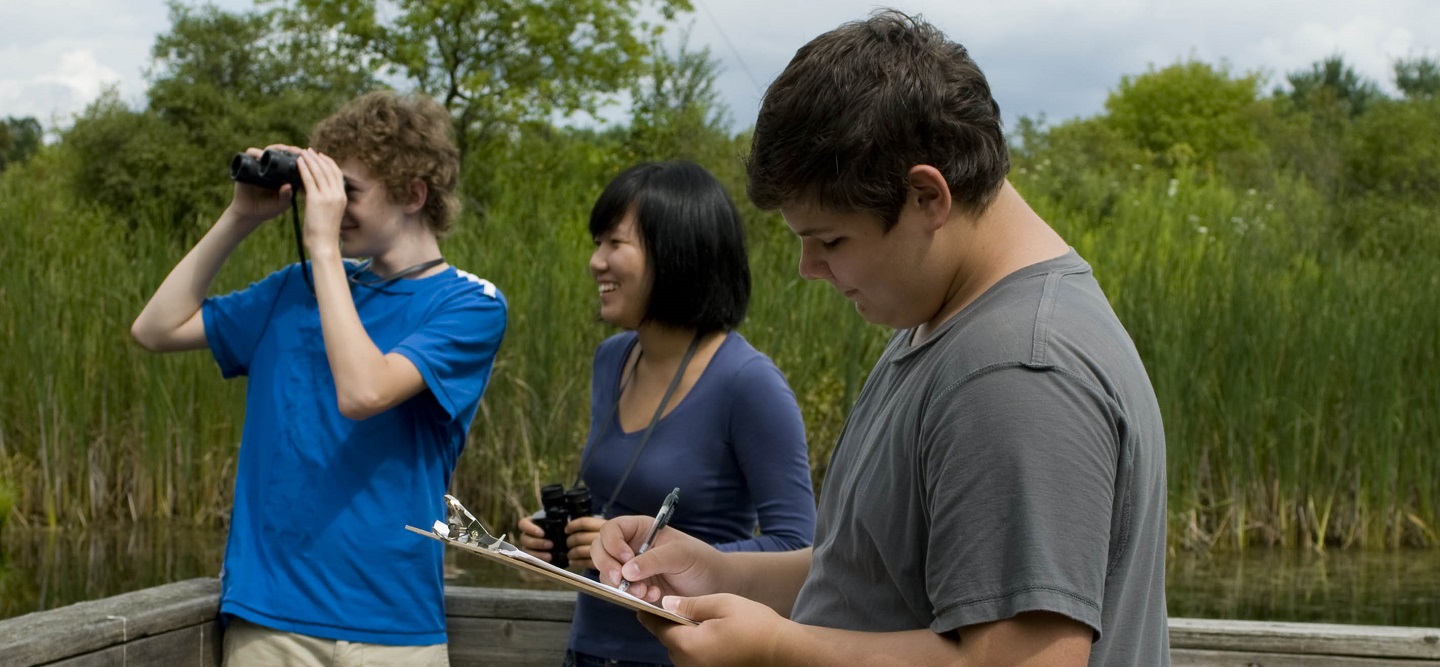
252,204
325,200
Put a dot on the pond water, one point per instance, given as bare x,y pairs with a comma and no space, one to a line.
46,569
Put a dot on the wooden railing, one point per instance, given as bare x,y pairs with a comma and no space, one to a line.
172,625
175,626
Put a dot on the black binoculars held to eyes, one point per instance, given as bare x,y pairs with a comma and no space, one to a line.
560,507
274,169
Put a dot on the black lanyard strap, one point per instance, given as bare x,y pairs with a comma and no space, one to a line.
645,438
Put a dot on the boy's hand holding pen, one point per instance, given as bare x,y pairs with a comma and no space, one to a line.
661,518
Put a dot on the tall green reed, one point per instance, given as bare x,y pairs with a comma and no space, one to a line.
1295,377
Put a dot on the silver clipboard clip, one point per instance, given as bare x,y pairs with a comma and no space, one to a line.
462,526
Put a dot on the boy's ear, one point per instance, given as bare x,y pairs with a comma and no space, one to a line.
416,195
928,195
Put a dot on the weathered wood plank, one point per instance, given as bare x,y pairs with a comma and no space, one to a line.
527,605
481,641
175,626
1306,638
198,646
1201,658
87,627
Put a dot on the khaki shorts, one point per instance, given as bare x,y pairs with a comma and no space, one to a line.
250,645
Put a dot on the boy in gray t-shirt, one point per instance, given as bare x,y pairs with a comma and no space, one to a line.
1013,460
998,493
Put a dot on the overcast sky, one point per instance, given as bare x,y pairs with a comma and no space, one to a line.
1059,58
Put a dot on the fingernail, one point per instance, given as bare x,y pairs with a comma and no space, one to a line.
670,603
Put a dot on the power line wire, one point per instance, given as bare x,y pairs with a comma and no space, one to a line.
760,90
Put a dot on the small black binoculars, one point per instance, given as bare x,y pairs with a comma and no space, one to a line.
274,169
560,507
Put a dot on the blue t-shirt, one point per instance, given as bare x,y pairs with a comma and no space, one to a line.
735,445
317,541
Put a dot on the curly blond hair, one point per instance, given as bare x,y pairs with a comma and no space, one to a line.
399,138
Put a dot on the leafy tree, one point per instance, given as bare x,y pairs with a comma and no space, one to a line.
675,111
1304,141
1418,78
218,74
1390,184
1393,151
19,139
129,162
1332,82
1063,163
496,64
220,82
1189,112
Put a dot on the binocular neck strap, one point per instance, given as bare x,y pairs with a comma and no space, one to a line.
300,241
645,438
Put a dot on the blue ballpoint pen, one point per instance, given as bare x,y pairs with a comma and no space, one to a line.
661,518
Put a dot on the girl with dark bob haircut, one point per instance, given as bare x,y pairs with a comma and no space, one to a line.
679,399
693,238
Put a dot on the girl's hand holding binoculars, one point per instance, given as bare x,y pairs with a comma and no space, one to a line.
580,533
583,531
532,539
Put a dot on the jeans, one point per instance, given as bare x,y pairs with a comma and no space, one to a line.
573,659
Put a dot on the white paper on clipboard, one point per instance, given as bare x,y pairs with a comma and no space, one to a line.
487,546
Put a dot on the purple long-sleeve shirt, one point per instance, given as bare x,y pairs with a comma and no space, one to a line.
735,446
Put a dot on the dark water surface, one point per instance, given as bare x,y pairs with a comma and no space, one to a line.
46,569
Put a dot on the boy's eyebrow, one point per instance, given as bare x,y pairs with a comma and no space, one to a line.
813,231
818,226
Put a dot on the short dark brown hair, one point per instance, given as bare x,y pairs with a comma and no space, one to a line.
859,106
399,138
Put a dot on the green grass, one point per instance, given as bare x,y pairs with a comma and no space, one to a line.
1297,378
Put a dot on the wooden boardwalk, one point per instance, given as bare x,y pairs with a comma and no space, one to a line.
175,626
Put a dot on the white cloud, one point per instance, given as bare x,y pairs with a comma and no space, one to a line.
57,87
1059,57
1063,57
57,55
79,71
1367,44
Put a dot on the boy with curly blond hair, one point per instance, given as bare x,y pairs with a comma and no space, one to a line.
363,381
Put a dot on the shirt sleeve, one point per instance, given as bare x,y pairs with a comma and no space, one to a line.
1019,469
455,349
768,436
235,322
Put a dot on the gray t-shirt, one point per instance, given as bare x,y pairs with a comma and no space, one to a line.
1012,462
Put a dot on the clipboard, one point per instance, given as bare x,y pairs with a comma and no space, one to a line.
474,539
